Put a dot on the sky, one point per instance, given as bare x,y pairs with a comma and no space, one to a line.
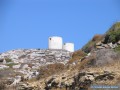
27,24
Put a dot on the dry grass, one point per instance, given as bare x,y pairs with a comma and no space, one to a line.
97,38
77,55
2,85
86,63
73,71
91,44
50,69
57,68
112,68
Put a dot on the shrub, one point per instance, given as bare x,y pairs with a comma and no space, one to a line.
113,35
8,60
97,37
11,64
91,44
30,65
117,49
50,69
117,26
87,62
77,55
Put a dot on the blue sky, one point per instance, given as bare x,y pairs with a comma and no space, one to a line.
29,23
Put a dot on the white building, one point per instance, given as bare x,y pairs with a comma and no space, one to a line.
69,47
55,42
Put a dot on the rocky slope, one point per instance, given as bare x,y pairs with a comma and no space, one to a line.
97,63
110,39
24,64
100,66
41,56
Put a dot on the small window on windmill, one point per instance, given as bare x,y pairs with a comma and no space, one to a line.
50,38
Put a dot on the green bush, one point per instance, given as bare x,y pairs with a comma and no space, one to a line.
8,60
113,35
11,64
89,46
117,49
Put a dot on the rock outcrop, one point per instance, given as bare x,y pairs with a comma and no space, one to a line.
25,63
41,56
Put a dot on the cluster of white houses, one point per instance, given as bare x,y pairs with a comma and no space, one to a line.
56,42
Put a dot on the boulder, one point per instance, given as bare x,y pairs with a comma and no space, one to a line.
118,42
104,77
24,86
105,45
105,56
3,67
16,66
4,61
99,43
100,47
1,60
89,77
16,80
110,45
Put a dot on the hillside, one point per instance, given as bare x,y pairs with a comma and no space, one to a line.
24,64
107,40
97,63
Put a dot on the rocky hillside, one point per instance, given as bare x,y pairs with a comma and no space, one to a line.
24,64
37,56
96,64
110,39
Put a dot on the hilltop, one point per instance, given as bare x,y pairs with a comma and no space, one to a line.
97,63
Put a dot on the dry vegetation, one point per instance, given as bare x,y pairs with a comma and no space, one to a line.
50,69
113,68
87,62
2,85
97,38
86,65
77,55
91,44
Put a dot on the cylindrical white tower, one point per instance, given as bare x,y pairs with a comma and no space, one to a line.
55,42
69,47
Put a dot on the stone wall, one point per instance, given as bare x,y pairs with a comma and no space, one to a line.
39,56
